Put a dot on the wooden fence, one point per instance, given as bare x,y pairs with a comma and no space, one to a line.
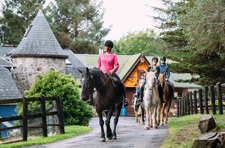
43,114
198,100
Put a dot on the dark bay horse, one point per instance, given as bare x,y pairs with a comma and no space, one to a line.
99,86
167,97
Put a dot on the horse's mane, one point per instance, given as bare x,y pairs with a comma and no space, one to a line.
96,73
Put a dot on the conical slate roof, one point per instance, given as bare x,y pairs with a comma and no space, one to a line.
39,41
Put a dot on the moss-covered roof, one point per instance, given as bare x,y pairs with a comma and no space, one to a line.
126,62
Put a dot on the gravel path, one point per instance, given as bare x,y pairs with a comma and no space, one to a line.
129,135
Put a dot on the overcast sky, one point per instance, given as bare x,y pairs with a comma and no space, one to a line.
127,16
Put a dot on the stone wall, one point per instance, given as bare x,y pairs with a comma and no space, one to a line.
27,70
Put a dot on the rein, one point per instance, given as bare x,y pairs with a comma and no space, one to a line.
100,86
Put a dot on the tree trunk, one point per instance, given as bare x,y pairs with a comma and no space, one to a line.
210,140
206,123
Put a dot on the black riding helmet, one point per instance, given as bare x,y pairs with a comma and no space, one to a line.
155,58
109,43
163,58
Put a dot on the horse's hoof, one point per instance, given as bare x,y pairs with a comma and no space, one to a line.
102,140
155,127
110,138
143,123
161,124
114,137
147,128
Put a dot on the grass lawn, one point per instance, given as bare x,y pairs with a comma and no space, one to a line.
184,130
70,131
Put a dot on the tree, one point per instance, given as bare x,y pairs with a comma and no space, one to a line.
204,27
78,24
201,49
76,111
17,16
146,42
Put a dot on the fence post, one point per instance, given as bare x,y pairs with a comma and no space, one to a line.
212,99
188,103
195,103
60,114
191,102
180,104
185,105
177,101
200,101
0,130
25,110
206,99
220,103
43,116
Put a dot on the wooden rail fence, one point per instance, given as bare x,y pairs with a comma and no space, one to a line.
193,102
43,114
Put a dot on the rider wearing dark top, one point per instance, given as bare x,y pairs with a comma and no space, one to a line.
154,68
165,69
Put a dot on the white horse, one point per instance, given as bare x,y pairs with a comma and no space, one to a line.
151,101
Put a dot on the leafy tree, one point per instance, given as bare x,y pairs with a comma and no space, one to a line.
76,111
201,48
146,42
17,16
78,24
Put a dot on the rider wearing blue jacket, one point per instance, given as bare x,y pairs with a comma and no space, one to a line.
164,69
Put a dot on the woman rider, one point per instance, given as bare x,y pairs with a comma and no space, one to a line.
108,63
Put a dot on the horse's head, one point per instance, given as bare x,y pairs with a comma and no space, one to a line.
151,79
87,84
161,79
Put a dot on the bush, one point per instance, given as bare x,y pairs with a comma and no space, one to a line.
76,111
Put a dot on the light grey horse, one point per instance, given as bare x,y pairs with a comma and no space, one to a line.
151,101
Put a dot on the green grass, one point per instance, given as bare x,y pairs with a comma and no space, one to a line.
70,131
184,130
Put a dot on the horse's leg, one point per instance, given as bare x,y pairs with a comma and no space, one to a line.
162,112
147,118
107,123
142,115
167,110
116,119
158,114
101,123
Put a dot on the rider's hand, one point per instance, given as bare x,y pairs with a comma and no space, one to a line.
166,79
112,71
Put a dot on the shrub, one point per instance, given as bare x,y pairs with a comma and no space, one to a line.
76,111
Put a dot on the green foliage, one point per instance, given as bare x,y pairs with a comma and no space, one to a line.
146,42
195,32
76,112
17,16
77,24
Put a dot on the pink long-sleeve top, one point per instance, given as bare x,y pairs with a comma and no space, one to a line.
108,62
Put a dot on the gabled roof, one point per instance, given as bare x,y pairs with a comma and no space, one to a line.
5,63
126,62
8,89
73,63
129,62
39,41
5,50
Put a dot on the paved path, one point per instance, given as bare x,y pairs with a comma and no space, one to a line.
129,133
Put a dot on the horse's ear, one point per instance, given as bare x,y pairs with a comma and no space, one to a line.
87,70
80,70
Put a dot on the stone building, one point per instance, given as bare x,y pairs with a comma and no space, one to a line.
38,52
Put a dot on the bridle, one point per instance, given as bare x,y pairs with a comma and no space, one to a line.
96,89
